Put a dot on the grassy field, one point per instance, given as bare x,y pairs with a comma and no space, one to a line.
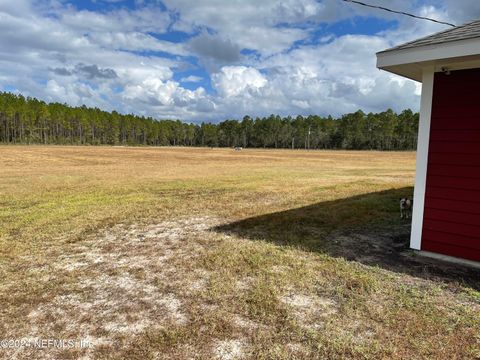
173,253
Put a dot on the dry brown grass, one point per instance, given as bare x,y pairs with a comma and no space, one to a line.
153,253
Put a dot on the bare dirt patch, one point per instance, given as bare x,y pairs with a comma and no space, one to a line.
229,349
309,310
128,280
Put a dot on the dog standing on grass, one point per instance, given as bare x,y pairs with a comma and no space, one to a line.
406,205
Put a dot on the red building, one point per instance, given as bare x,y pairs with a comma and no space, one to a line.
446,212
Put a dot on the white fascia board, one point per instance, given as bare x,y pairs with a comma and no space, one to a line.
422,158
461,48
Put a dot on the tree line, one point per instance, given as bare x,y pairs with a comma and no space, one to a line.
31,121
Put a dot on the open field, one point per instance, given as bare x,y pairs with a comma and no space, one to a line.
176,253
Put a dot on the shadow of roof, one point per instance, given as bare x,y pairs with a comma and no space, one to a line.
365,228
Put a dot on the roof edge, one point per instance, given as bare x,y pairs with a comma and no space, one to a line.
449,50
434,35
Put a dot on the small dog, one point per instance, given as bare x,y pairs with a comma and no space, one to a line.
406,205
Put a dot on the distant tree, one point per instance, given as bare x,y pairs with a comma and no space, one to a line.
246,131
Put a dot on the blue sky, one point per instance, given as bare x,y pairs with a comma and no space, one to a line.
207,60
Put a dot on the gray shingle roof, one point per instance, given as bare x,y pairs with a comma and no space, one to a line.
462,32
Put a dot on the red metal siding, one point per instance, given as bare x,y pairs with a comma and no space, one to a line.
451,222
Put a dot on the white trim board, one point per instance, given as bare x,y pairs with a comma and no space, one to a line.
448,50
422,158
408,62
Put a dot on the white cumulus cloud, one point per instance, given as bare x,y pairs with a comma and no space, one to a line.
236,80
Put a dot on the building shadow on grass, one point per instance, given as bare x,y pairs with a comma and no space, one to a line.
365,228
